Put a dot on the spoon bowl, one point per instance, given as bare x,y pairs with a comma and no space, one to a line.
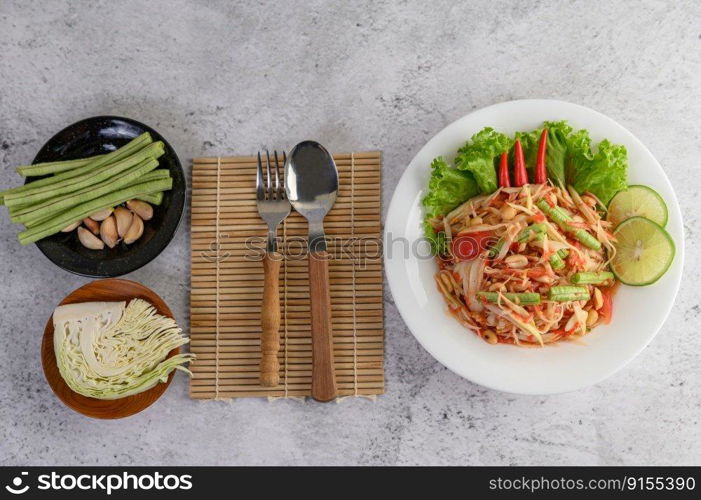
311,183
312,162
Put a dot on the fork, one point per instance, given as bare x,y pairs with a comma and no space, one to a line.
273,207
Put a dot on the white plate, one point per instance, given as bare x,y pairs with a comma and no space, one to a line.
638,313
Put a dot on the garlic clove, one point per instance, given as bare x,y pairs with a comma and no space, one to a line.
123,217
141,208
70,228
92,225
101,215
135,230
89,240
108,232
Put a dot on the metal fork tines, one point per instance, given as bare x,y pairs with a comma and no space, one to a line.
273,205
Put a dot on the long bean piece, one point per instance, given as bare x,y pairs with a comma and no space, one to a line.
568,293
556,261
159,173
558,258
83,210
494,251
152,198
532,229
54,167
591,278
154,175
71,185
90,170
524,299
133,146
562,219
98,160
57,205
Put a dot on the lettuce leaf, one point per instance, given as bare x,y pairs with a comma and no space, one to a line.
555,154
579,154
478,156
603,173
570,160
447,188
438,241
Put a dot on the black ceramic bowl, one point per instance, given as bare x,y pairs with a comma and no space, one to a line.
102,134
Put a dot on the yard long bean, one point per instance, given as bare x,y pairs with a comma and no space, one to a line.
96,161
568,293
150,176
133,146
57,205
591,278
562,219
494,251
532,229
104,172
83,210
152,198
524,299
54,167
556,261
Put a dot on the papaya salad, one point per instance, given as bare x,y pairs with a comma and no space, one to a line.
532,234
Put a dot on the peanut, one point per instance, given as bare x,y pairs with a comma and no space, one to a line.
508,212
598,299
490,336
592,317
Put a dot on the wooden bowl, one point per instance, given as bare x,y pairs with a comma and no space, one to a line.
108,290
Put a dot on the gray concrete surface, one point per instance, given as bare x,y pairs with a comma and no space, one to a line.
232,77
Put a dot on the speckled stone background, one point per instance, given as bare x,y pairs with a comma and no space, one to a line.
219,77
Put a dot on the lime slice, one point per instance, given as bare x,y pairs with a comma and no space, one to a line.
637,201
644,252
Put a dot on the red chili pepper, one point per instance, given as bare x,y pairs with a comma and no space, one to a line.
504,180
520,175
541,176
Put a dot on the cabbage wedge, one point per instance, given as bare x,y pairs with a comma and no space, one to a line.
110,350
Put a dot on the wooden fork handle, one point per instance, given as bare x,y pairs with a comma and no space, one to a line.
323,373
270,321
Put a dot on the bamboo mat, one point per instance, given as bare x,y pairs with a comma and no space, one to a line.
228,237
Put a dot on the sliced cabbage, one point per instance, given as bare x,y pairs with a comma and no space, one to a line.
110,350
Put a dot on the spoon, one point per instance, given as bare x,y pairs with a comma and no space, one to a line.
311,183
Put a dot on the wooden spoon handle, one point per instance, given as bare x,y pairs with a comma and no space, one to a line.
323,374
270,321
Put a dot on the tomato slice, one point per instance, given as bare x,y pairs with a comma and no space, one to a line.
469,245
